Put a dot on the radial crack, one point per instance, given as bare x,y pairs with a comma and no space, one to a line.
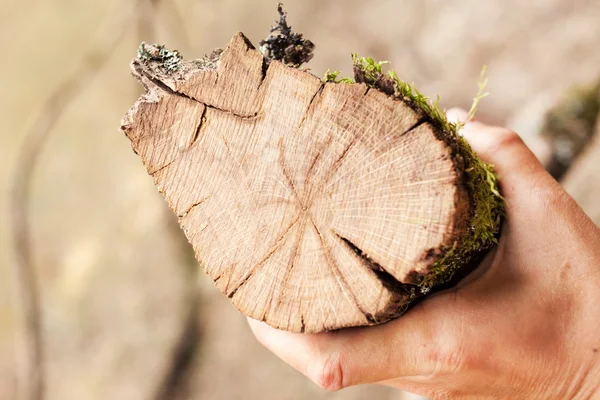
292,264
386,279
338,162
286,173
199,128
161,85
262,262
320,151
194,205
341,279
156,171
310,105
419,122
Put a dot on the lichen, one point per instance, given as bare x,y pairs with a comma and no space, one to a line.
481,181
170,60
209,61
286,46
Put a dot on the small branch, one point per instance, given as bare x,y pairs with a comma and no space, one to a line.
31,357
147,13
286,46
176,23
175,380
173,383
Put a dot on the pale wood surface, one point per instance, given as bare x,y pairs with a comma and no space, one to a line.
310,204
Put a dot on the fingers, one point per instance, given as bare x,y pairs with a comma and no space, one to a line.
499,146
517,167
409,346
456,115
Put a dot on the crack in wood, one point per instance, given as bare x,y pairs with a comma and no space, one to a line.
292,264
264,69
262,262
194,205
414,126
161,85
325,145
338,162
313,99
287,175
192,141
242,283
156,171
215,280
386,279
339,276
200,125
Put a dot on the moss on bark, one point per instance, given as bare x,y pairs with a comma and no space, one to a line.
478,176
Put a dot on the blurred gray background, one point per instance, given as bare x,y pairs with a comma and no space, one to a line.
114,276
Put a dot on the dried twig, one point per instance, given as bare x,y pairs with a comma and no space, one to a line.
286,46
31,357
146,18
176,23
31,351
174,381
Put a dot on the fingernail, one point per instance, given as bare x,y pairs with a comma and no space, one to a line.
457,114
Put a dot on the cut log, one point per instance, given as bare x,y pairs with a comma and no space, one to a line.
313,205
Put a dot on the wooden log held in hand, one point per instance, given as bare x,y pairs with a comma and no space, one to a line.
314,205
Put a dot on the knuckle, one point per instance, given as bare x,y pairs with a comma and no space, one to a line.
327,372
502,139
448,354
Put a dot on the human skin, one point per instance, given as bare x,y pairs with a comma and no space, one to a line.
524,325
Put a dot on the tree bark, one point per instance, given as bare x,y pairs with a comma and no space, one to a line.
313,205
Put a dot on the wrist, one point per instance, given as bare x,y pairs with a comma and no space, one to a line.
589,340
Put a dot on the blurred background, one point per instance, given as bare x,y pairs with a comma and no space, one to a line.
124,312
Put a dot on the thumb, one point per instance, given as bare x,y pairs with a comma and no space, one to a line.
408,346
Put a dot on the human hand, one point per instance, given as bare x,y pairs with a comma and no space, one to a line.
525,324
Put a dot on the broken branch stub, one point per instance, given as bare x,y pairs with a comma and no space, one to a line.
313,205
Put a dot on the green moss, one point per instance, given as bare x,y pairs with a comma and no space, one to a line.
481,181
333,77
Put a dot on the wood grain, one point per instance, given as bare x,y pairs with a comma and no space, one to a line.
313,206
